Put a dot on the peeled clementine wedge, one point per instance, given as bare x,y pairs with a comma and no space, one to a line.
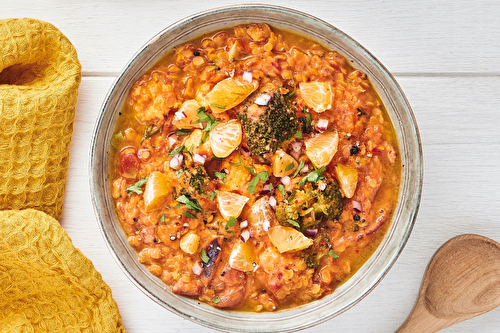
283,164
186,115
225,138
230,92
189,243
230,204
158,187
243,257
321,148
348,179
316,95
288,239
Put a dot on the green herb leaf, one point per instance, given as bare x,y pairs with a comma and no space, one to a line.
294,223
239,163
188,215
271,187
190,203
216,299
281,188
298,135
231,223
204,117
251,170
148,132
221,176
137,187
215,158
261,176
242,260
290,95
176,206
313,176
204,257
217,106
308,120
289,167
177,151
301,165
212,195
184,131
333,255
178,173
162,218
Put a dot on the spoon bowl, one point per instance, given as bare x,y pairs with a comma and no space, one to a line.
461,281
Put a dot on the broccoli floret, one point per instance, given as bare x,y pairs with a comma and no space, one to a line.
309,205
195,181
273,126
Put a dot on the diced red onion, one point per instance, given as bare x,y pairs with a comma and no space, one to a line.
199,159
322,125
311,232
245,151
296,154
285,180
356,206
197,269
245,235
265,189
247,76
176,161
262,99
179,115
304,169
266,225
272,202
322,186
172,139
244,224
296,146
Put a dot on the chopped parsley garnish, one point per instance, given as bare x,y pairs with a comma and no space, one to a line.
217,106
148,132
289,167
190,203
333,255
204,257
231,223
281,188
216,299
176,206
290,95
176,151
308,119
178,173
221,176
137,187
212,195
251,170
208,119
313,176
183,131
215,158
294,223
301,165
261,176
242,260
188,215
298,135
162,218
239,163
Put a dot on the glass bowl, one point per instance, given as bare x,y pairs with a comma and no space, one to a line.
366,278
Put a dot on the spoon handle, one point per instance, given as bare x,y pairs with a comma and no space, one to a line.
421,321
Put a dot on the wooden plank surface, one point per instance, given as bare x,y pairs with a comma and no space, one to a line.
445,55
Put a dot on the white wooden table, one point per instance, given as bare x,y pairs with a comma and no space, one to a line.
444,54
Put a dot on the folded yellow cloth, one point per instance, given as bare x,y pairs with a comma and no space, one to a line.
46,284
39,78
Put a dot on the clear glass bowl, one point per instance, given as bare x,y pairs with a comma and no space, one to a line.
368,276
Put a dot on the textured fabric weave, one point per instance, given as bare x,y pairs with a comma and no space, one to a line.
46,284
39,78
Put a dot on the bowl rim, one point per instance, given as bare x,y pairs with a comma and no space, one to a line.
102,215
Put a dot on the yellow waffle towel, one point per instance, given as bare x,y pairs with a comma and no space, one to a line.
39,78
46,284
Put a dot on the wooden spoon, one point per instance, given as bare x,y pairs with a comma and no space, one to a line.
462,281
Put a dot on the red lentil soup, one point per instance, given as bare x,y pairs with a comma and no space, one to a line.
253,169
